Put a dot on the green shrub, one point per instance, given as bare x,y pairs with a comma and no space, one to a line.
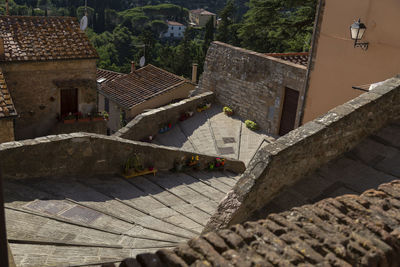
228,110
251,125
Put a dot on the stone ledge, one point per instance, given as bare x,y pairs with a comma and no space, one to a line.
148,123
89,154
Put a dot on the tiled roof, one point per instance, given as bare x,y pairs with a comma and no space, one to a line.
140,85
297,58
201,11
6,104
43,38
346,231
174,23
107,75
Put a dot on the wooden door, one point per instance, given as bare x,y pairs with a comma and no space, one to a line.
69,101
289,111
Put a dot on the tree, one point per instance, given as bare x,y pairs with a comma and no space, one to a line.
209,35
278,26
227,15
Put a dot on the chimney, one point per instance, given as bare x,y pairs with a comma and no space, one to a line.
133,67
194,73
2,51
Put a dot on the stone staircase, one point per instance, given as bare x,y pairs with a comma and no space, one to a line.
92,220
211,132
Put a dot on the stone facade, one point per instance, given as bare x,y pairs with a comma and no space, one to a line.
307,148
35,88
80,154
251,83
6,130
149,123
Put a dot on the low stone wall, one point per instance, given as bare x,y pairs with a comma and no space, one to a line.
307,148
251,83
149,123
84,154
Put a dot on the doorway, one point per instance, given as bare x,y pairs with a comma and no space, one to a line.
289,111
69,101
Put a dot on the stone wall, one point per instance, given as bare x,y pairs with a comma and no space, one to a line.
149,123
251,83
84,154
35,89
98,127
307,148
6,130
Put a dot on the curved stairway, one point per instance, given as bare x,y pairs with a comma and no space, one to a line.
211,132
87,221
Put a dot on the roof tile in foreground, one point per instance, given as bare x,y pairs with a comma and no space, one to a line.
7,108
346,231
43,38
140,85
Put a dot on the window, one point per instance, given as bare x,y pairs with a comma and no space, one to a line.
172,34
179,28
106,105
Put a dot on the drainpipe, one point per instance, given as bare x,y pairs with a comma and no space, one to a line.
194,73
133,67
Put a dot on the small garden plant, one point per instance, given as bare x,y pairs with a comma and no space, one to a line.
251,125
228,111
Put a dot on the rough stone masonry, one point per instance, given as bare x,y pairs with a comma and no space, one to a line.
251,83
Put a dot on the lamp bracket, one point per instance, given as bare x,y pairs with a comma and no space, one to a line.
364,46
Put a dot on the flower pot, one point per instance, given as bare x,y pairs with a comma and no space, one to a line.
97,119
84,119
70,121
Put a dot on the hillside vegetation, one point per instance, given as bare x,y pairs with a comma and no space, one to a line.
125,30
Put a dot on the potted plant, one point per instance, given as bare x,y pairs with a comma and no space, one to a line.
203,107
70,118
228,111
251,125
97,116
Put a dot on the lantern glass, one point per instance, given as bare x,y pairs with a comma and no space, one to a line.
357,30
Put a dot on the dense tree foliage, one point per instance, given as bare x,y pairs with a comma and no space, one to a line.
126,30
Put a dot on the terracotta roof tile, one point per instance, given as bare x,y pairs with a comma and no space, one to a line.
136,87
201,11
297,58
7,108
104,76
346,231
43,38
174,23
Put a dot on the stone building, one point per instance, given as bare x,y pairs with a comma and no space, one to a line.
125,96
50,68
7,112
175,30
200,17
267,89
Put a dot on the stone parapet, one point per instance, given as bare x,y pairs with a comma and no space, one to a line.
149,123
84,154
307,148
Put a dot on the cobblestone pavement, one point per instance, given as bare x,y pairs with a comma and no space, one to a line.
84,220
212,132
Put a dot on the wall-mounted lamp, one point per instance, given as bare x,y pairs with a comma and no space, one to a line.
357,30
